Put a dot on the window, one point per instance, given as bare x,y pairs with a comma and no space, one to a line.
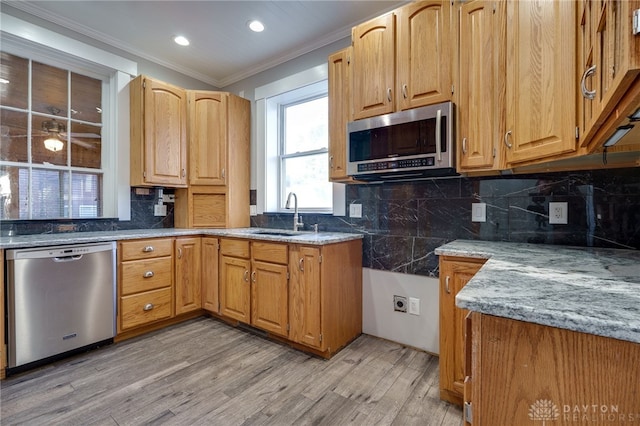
303,150
51,143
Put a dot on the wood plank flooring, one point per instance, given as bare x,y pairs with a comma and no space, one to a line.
205,372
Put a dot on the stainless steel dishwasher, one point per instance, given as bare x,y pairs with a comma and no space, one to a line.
59,299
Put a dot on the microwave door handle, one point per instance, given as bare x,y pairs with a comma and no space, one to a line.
438,132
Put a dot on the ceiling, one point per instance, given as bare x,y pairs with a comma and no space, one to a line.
223,50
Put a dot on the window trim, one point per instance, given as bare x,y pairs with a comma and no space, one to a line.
39,44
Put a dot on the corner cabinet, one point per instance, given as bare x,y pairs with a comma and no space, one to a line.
540,44
455,272
158,144
402,60
218,196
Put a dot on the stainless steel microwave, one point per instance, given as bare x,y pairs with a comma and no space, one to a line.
403,145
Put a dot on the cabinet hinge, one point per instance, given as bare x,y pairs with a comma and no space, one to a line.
453,89
468,412
494,7
320,259
348,60
494,152
636,22
288,327
577,132
144,84
320,337
287,275
144,174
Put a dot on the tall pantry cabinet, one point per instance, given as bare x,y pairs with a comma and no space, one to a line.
219,139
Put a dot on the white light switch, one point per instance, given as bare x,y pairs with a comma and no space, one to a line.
355,210
478,212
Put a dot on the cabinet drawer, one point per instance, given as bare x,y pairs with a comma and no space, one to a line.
234,248
145,274
156,302
145,249
270,252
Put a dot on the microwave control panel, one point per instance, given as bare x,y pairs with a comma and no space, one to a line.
397,164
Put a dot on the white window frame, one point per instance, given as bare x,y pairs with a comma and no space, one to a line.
269,98
22,38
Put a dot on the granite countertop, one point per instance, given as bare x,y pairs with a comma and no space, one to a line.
589,290
301,237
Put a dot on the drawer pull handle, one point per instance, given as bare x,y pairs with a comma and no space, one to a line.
246,275
588,94
446,285
506,139
148,307
148,249
301,264
253,276
148,274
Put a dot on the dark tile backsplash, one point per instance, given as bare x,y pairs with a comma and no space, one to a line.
404,222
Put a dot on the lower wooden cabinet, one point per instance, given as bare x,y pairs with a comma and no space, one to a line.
188,281
210,271
455,272
269,287
145,282
3,347
524,373
235,287
306,327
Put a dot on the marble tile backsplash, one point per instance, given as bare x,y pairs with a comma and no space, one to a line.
404,222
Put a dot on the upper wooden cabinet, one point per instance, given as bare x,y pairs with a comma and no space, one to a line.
480,85
608,60
424,53
158,133
339,114
207,113
414,41
540,80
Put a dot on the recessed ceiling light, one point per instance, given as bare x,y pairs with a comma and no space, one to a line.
181,40
256,26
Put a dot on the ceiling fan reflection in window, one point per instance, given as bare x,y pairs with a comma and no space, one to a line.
56,135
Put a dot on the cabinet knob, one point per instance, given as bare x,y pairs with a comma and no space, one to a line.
148,249
148,274
588,94
506,139
446,285
148,307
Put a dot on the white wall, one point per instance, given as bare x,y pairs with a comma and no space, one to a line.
378,315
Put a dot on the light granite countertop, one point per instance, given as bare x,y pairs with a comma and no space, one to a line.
276,235
589,290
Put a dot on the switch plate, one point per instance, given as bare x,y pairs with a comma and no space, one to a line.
478,212
159,210
558,213
355,210
414,306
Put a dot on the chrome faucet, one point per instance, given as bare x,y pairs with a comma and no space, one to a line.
296,224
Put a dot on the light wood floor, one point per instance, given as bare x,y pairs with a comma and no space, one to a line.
205,372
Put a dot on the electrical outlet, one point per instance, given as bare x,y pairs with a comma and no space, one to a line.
159,210
253,210
558,213
478,212
400,303
355,210
414,306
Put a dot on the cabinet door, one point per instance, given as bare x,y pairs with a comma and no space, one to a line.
373,67
424,53
3,349
165,134
269,297
207,137
541,86
305,293
188,275
235,290
454,274
478,88
210,298
339,114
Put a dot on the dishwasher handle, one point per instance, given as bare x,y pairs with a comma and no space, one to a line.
67,258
